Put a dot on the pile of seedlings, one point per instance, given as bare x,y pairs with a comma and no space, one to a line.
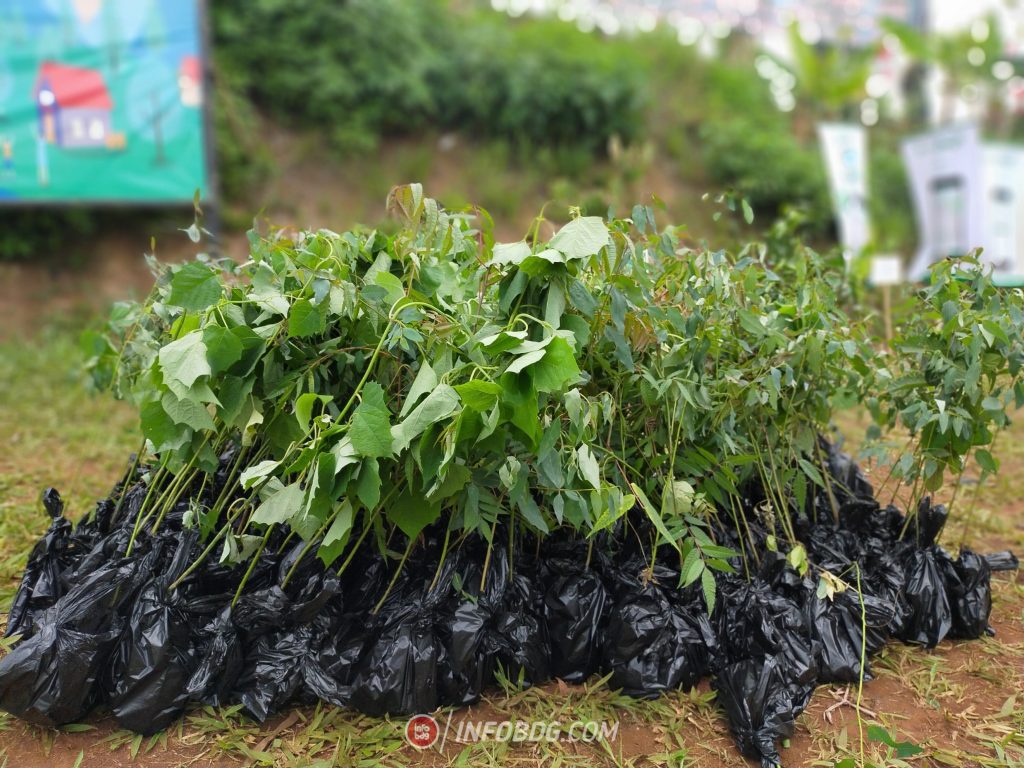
378,469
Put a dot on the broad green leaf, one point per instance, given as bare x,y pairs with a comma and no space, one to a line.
337,534
187,412
557,368
370,430
391,284
223,348
509,253
426,380
185,360
524,361
304,407
588,466
194,287
478,394
306,319
161,430
581,237
280,506
368,484
252,475
412,513
437,406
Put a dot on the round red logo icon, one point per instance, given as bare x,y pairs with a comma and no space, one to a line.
421,731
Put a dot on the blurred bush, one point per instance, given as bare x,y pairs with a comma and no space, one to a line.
363,69
542,82
768,167
750,146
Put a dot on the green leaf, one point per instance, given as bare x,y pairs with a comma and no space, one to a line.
187,412
337,534
413,512
581,237
557,369
280,506
437,406
251,475
223,348
306,319
986,461
525,360
184,360
304,407
708,587
194,287
370,429
368,484
693,567
161,430
748,212
426,379
588,466
509,253
480,395
653,515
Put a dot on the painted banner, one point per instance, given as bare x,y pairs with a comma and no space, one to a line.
944,168
101,101
845,149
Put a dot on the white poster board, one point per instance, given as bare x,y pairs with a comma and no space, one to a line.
1003,211
844,146
944,168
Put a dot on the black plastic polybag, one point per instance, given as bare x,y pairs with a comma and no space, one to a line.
52,677
1002,561
928,618
761,701
928,523
653,644
276,660
968,587
220,665
519,636
402,671
155,657
575,606
41,584
845,627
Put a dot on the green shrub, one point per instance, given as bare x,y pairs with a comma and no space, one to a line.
355,69
363,69
543,82
29,234
767,166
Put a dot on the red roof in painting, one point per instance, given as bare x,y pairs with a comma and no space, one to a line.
75,86
190,68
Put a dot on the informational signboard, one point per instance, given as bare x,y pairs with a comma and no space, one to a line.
845,149
944,168
967,195
1003,211
101,101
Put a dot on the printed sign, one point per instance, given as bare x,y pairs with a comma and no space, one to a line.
845,149
944,168
1003,211
101,100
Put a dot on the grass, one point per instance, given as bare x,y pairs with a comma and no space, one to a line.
962,704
